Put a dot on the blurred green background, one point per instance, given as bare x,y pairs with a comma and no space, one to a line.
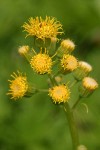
36,123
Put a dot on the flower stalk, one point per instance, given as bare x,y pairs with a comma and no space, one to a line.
76,103
72,125
52,79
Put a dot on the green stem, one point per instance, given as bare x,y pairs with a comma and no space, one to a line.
42,90
76,103
52,79
76,81
72,125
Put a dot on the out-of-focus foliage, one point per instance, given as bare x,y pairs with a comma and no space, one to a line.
37,123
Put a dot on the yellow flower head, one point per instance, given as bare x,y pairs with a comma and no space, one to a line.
23,50
43,28
41,63
59,93
67,45
85,66
89,83
69,62
18,86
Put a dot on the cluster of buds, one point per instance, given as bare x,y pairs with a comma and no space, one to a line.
44,56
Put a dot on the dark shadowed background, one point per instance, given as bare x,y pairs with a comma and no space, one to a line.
36,123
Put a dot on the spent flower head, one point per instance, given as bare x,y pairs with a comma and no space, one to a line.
60,93
43,28
18,85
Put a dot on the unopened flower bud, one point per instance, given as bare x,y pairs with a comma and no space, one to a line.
23,50
88,86
58,79
82,70
66,47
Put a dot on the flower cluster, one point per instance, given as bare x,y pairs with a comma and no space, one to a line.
43,57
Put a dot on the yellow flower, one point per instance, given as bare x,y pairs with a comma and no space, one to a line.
69,62
59,93
67,45
23,50
85,66
43,28
89,83
18,86
41,63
